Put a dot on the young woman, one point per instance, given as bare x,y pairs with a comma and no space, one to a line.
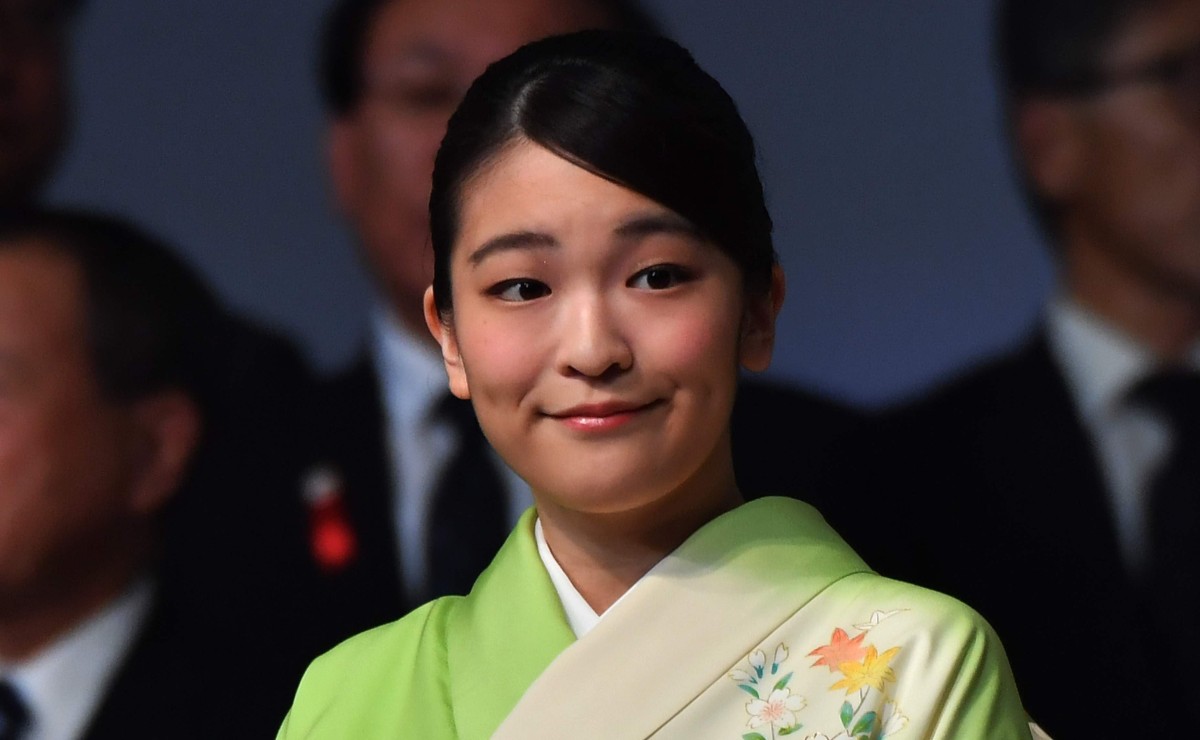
603,270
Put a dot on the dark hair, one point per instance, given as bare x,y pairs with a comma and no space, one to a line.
348,24
148,315
632,108
1052,48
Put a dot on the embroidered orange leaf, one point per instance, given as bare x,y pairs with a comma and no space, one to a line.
873,671
841,649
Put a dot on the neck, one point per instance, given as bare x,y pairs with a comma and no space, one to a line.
1162,317
605,554
32,620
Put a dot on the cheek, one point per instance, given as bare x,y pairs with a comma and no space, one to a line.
502,356
696,339
401,154
34,474
1156,172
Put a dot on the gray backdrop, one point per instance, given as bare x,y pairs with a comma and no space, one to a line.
907,248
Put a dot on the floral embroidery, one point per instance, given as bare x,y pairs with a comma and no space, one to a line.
869,712
777,712
842,648
873,671
893,719
867,673
877,616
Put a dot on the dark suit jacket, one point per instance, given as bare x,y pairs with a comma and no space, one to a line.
988,489
779,435
238,615
195,672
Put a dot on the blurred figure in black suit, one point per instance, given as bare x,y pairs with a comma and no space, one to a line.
253,459
234,527
1042,487
392,72
33,94
106,380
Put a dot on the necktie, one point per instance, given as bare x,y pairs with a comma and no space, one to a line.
468,522
1173,514
13,715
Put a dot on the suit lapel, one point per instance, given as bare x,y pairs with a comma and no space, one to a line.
351,436
1047,466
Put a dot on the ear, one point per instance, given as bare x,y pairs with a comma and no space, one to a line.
444,334
1048,141
168,428
341,152
757,341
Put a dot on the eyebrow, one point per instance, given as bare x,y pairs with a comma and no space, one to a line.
517,240
658,223
635,228
422,54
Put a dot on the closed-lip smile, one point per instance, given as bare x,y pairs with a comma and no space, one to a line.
601,416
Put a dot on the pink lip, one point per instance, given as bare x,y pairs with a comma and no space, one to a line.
601,416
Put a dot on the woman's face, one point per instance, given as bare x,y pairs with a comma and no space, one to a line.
598,336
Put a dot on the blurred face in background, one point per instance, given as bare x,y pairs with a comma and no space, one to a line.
33,105
420,57
1123,164
66,453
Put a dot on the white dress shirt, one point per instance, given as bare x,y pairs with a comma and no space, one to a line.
413,380
63,684
1101,365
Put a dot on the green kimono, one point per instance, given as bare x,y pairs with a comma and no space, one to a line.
763,624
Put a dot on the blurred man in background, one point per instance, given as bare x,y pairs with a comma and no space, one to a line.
33,94
243,530
232,535
409,499
1056,489
104,385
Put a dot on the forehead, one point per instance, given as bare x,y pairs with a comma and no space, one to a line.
467,35
1155,29
41,295
529,188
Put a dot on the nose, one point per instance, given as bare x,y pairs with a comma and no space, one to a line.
593,343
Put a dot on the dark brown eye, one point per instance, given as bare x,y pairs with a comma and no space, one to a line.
519,290
660,277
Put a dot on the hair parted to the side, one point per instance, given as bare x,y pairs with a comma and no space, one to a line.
1052,48
633,108
148,316
347,26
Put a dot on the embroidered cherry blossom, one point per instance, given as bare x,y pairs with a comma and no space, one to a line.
757,660
893,720
781,654
741,676
778,710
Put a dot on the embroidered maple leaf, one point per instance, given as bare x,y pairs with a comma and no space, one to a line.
873,671
841,649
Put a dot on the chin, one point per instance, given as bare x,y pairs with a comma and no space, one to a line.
593,497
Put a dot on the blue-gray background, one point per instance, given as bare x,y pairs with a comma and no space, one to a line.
907,248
